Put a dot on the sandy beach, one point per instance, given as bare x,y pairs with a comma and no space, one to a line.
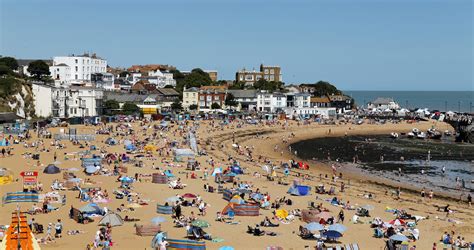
262,139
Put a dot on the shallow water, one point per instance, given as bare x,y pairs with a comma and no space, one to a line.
412,156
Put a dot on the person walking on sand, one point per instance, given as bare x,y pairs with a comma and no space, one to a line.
340,216
399,193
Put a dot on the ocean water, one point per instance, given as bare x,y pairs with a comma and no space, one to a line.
458,101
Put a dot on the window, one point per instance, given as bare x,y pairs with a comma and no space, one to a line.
266,71
209,98
248,77
201,98
279,98
272,78
77,68
76,76
272,71
76,61
216,98
267,103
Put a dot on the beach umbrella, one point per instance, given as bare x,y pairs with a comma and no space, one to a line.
126,179
332,234
368,207
172,199
189,195
399,237
158,220
338,227
324,215
226,248
200,223
313,226
397,222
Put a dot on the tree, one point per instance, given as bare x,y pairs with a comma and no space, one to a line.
263,84
5,70
38,69
193,107
9,85
230,100
176,105
111,107
129,108
215,105
196,78
9,62
237,85
124,73
323,88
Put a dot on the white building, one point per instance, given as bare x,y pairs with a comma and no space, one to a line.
81,67
190,97
65,102
61,74
383,103
270,102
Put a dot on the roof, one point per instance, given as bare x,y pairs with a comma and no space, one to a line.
337,97
168,91
61,65
382,100
243,93
214,88
193,89
322,99
9,117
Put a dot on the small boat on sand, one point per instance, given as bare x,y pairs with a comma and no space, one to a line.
394,135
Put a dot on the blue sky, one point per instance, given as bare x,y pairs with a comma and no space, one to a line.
357,45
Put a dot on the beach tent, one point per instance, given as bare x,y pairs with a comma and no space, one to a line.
237,200
162,209
111,141
94,161
51,169
6,176
168,173
248,209
91,208
111,218
20,197
175,244
216,171
236,169
299,190
130,147
91,170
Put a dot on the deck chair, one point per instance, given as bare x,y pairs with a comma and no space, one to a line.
353,246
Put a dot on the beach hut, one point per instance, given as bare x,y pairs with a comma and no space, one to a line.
6,176
159,178
175,244
299,190
51,169
162,209
248,209
112,219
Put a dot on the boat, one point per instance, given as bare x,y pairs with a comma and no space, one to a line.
394,135
410,135
421,135
415,131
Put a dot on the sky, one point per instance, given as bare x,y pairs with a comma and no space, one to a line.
354,44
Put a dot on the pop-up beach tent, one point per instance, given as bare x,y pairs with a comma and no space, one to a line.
51,169
112,219
299,190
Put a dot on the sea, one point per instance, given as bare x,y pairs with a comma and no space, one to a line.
456,101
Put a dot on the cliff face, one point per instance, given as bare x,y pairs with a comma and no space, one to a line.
19,99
